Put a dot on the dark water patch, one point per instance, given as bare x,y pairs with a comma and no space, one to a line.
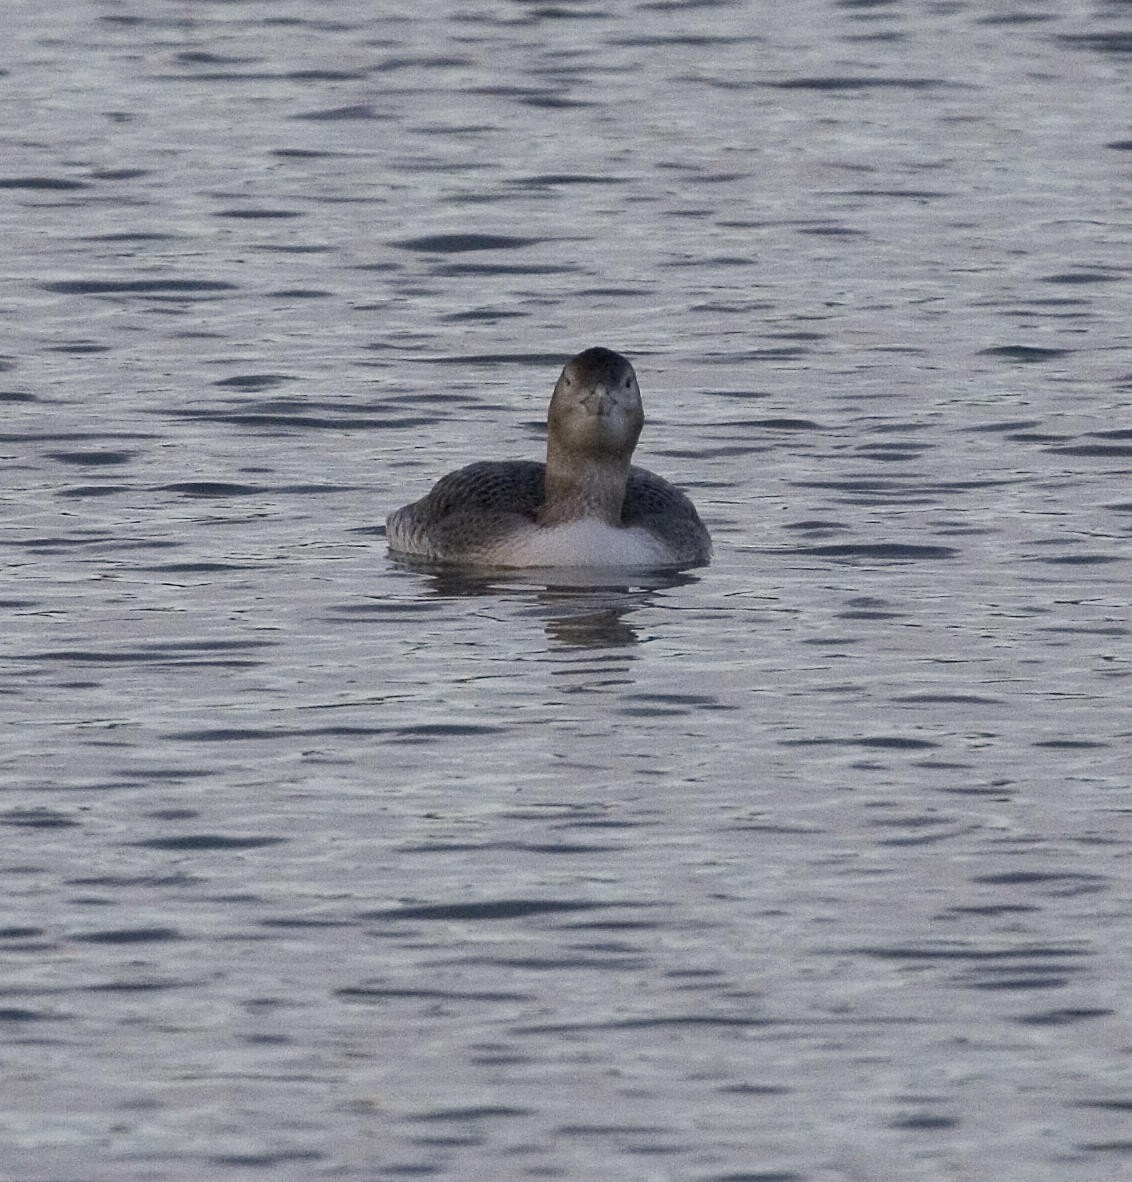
20,1014
260,1161
993,909
258,76
302,248
1015,18
615,925
465,270
212,488
713,453
235,734
906,194
134,881
426,731
91,459
482,315
683,5
771,424
129,936
885,551
1102,451
846,82
491,909
304,921
557,179
615,1130
1073,744
1003,427
139,986
475,1112
1117,44
300,420
750,1089
204,842
436,61
890,454
1024,353
1063,1017
706,701
829,527
201,57
79,348
615,293
376,607
547,101
459,243
879,490
923,1122
942,699
14,396
874,742
1120,145
921,830
831,231
161,653
944,953
544,849
381,993
20,933
131,236
198,568
1072,277
1076,559
1041,437
323,75
757,1176
668,1022
96,543
1065,884
535,360
615,962
1035,979
687,40
37,818
42,183
254,381
872,612
300,293
355,111
159,287
257,214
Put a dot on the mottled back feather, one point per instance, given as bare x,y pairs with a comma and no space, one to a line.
469,510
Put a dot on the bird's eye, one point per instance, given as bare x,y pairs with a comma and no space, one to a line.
628,383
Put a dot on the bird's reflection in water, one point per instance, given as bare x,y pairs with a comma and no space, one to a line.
597,629
579,607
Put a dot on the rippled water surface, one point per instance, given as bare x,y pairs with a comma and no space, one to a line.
815,864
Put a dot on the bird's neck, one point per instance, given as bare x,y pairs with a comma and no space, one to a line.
582,486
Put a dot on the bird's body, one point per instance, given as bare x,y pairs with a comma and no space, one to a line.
586,506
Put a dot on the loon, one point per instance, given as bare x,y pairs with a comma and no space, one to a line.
587,506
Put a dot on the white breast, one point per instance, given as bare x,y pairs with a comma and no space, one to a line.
581,543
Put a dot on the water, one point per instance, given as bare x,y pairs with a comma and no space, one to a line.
812,865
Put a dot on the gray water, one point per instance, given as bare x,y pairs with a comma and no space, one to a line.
815,864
